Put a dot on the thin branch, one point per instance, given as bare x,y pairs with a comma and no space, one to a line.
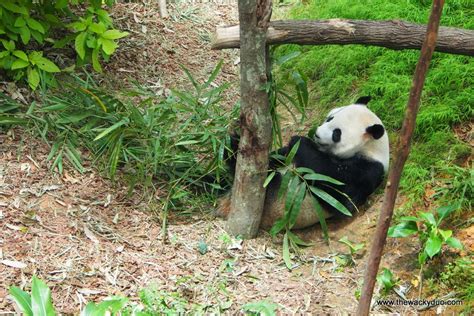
403,150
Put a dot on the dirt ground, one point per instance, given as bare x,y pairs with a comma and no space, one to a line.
87,240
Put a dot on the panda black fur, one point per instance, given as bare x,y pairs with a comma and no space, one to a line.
350,146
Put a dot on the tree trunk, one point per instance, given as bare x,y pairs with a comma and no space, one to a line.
390,34
248,193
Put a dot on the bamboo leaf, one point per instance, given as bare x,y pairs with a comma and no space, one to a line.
322,220
330,200
290,195
297,240
286,252
321,177
269,179
278,226
111,128
292,153
284,184
41,298
213,75
296,205
22,300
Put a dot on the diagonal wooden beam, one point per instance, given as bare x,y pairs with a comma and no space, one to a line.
401,155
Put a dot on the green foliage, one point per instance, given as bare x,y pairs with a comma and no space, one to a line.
459,275
262,308
179,140
280,94
38,303
431,236
296,183
352,247
151,302
158,302
341,73
109,306
387,281
456,185
28,28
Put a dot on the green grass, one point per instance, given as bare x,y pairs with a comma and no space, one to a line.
339,74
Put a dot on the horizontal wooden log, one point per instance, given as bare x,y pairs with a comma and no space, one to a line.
392,34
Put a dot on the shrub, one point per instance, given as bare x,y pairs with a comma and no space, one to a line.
29,28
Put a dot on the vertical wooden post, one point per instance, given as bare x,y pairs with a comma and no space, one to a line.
248,193
403,149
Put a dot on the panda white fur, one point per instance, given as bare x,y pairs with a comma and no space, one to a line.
350,146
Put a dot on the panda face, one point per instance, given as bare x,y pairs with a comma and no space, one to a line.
351,130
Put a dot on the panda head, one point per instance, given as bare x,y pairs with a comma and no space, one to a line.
354,130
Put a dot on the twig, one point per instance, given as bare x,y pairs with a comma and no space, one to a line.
163,9
403,149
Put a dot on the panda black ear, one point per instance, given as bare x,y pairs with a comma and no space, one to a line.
375,130
363,100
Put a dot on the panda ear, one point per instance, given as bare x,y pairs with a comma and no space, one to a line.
375,130
363,100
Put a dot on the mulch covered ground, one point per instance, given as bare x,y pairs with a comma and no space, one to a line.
88,240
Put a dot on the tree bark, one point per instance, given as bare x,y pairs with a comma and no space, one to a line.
403,150
248,193
390,34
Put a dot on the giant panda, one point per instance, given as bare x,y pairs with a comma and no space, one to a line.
350,146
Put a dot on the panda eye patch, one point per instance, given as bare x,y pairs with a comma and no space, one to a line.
336,135
329,119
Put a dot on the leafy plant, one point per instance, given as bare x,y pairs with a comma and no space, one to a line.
179,140
296,183
387,281
38,303
263,308
109,306
94,36
28,28
280,92
348,259
352,247
431,236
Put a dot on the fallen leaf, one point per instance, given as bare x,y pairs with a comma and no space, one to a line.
85,291
90,235
13,227
14,264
